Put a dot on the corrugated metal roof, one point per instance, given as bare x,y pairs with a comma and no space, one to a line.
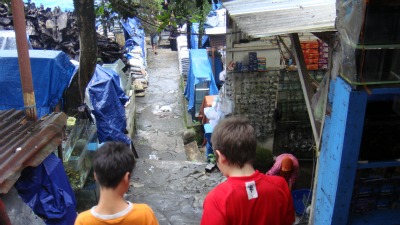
25,143
272,17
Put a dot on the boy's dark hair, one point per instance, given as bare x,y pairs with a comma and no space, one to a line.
235,138
111,162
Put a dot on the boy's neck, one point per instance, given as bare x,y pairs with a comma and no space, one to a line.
110,202
236,171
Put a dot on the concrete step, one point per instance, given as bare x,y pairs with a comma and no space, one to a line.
193,153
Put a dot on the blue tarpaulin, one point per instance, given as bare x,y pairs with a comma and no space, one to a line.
194,38
51,74
218,67
46,190
108,100
135,31
199,71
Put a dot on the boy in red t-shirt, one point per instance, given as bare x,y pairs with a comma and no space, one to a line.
247,197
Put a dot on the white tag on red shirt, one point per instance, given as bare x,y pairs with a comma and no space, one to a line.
251,190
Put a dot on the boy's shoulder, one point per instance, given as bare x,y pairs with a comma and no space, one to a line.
142,207
84,216
278,181
138,211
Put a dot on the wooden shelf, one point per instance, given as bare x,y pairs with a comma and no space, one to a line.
383,216
366,165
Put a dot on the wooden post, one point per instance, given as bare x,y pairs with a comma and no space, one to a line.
23,59
306,85
212,62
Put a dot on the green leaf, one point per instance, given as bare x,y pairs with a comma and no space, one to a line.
100,11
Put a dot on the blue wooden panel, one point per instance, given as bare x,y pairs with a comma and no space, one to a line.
350,153
338,161
339,153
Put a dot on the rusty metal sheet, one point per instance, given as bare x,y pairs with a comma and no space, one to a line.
26,143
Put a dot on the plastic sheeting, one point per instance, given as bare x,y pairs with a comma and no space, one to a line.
194,38
349,24
46,190
51,74
8,40
135,31
199,71
369,41
108,100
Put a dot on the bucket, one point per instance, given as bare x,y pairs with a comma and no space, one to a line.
301,199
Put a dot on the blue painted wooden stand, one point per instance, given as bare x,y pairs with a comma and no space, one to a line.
338,161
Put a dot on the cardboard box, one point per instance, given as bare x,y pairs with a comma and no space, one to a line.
311,61
309,44
311,55
322,61
323,66
310,51
312,67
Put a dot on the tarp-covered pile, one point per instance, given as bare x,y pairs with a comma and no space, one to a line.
51,74
108,99
183,54
136,48
200,71
53,29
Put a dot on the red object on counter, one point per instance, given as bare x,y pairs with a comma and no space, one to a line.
3,215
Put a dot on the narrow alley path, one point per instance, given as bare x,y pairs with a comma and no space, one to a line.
174,187
160,112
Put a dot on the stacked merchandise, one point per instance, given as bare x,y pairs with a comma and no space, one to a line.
138,71
323,56
376,189
253,61
262,63
183,54
311,54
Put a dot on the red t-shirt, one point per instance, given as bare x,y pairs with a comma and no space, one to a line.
256,199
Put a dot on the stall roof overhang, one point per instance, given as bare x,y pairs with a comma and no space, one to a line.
25,143
273,17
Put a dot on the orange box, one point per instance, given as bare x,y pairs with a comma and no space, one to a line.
311,55
310,51
309,44
312,67
311,61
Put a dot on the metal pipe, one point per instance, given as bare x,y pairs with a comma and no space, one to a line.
23,59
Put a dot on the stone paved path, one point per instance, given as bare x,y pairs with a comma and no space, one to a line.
163,178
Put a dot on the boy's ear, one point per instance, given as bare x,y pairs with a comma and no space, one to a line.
95,176
220,157
127,176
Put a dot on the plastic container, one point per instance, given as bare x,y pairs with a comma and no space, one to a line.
301,199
